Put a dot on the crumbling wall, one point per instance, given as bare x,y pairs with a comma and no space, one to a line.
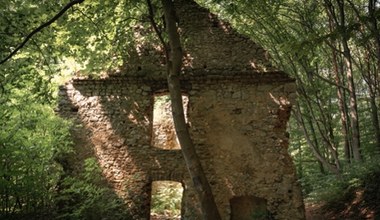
240,130
116,116
238,125
238,109
212,45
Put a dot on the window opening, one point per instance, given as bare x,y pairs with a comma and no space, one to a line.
166,200
164,135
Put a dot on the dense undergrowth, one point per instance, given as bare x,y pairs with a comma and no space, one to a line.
167,199
86,196
353,195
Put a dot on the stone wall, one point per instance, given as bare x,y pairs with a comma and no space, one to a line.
238,108
240,129
212,45
237,123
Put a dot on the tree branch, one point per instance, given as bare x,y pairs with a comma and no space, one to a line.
156,29
38,29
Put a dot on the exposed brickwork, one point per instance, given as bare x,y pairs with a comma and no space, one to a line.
237,124
211,44
238,109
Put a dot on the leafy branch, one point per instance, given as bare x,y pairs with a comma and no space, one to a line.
38,29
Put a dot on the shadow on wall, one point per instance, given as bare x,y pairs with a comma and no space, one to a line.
83,192
116,125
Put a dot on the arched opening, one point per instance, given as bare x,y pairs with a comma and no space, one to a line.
166,200
164,135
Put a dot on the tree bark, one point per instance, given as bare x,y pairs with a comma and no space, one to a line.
313,147
351,86
375,82
174,64
371,75
337,69
339,19
322,125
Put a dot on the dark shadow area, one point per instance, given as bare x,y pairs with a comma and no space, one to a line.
249,208
362,202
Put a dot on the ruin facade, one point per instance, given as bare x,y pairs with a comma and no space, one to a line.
238,109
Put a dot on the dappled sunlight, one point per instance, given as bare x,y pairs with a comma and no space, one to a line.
188,60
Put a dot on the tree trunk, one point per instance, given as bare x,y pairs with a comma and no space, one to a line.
372,73
322,125
174,64
374,117
375,81
341,104
313,147
351,86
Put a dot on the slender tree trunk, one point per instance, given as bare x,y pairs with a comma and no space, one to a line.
351,86
317,148
353,105
375,81
313,147
375,117
300,163
174,64
323,129
342,108
338,69
327,133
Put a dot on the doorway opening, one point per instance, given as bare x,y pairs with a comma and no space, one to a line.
249,207
163,132
166,200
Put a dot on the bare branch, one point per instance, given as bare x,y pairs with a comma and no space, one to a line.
331,82
38,29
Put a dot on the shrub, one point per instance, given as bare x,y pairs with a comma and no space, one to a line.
87,197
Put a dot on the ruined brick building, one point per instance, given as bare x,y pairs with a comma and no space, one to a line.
238,109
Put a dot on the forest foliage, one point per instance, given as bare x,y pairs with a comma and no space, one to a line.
331,47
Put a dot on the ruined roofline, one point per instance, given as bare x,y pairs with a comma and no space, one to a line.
212,42
208,43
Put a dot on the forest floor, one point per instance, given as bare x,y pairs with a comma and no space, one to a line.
356,204
352,211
